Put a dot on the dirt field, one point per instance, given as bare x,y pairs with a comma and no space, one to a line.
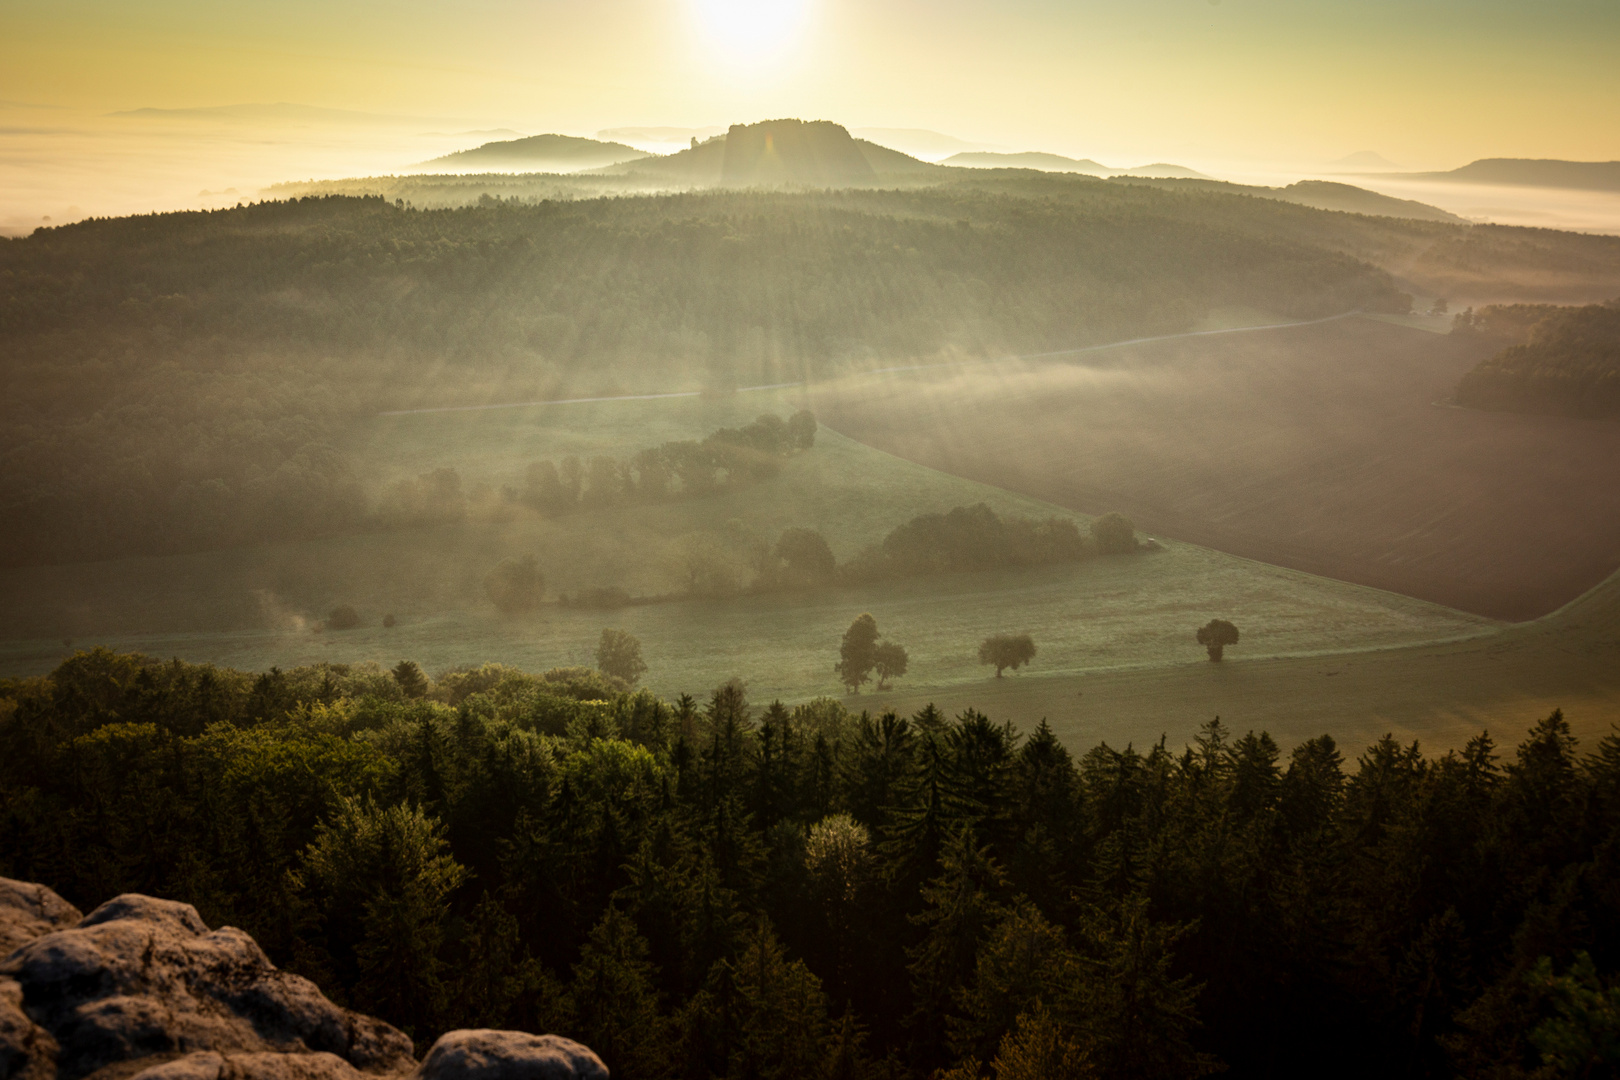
1326,448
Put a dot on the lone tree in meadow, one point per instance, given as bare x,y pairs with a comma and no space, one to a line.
889,660
1007,651
343,617
618,654
1216,635
857,653
516,586
860,653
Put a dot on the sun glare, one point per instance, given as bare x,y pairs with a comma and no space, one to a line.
750,29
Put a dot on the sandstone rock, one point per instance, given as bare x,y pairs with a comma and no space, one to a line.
509,1055
141,989
140,977
207,1065
28,911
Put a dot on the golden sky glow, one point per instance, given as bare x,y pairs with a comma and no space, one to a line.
1433,83
1211,83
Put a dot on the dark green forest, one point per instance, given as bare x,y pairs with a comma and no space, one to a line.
186,381
1562,360
722,889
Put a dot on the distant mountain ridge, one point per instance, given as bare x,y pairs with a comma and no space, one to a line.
1534,172
918,142
541,153
1364,159
1317,194
283,112
1058,163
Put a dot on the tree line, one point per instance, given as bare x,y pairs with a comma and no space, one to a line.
1560,360
735,560
728,457
717,889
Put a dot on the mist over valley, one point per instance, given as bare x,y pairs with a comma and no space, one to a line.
801,540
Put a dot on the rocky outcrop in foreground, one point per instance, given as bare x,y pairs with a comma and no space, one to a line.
142,989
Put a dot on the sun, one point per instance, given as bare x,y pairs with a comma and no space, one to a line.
750,29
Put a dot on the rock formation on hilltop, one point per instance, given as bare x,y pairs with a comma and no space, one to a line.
778,153
797,151
142,989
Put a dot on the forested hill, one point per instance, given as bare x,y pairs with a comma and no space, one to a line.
718,889
168,373
1566,360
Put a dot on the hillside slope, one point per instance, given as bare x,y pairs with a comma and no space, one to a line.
1533,172
538,153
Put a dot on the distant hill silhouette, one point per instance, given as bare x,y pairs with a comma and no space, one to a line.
1319,194
919,142
1364,159
1162,170
1028,160
674,137
540,153
1059,163
776,152
1528,172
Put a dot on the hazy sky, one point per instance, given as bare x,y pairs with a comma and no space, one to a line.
1428,83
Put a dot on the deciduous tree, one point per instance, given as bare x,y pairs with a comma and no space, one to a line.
1007,651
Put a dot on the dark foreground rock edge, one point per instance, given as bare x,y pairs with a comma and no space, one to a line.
142,989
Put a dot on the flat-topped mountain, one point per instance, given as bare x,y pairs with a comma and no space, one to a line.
539,153
1528,172
776,152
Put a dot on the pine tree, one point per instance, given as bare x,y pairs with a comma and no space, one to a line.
613,999
960,907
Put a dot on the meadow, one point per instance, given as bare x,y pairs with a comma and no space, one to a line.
1331,448
261,606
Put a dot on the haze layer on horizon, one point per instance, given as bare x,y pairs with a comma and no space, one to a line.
1427,83
1220,85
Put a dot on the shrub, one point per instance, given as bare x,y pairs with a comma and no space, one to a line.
1114,534
516,585
343,617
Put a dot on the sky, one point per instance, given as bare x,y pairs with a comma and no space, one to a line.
1219,84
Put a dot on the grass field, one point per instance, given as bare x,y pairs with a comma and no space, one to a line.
257,607
1327,448
1117,660
1440,694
